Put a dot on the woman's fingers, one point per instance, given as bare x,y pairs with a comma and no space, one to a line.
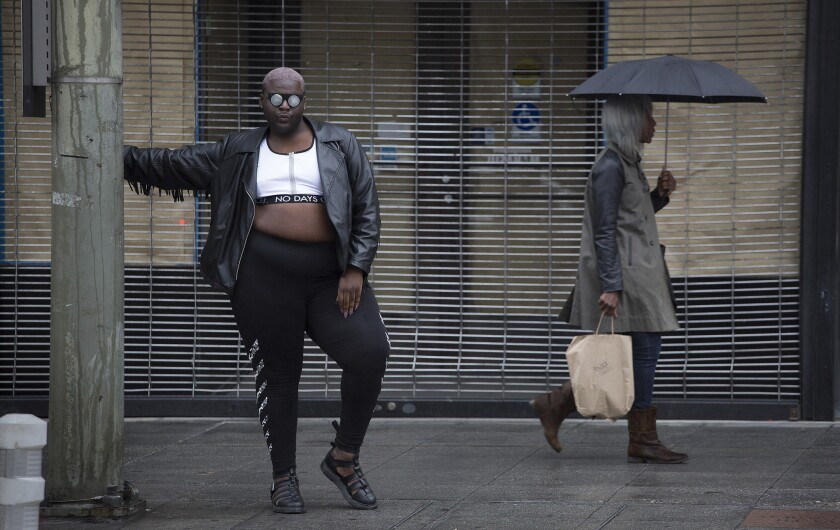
348,301
666,183
608,304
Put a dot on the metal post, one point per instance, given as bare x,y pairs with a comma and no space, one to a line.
85,434
820,256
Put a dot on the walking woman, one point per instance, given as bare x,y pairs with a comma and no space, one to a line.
622,272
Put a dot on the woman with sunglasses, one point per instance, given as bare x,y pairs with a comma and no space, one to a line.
293,233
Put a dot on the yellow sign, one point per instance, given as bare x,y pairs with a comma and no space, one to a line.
526,72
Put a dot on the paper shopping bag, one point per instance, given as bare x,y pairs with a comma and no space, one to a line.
601,370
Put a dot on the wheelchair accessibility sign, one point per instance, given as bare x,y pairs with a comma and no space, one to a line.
526,117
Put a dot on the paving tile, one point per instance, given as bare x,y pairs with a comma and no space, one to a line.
677,516
790,435
531,515
568,492
405,515
664,479
791,519
157,431
806,498
831,437
818,459
815,481
724,494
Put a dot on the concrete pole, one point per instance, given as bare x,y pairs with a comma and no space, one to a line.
85,428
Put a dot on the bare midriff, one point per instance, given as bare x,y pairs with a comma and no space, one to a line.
296,222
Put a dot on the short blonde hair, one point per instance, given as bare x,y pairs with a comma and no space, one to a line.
284,74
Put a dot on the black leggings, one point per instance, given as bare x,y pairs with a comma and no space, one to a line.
283,289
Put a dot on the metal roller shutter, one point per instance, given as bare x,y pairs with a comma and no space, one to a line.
480,160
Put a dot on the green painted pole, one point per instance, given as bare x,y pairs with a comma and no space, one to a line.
85,427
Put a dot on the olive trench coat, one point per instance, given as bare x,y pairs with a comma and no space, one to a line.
620,250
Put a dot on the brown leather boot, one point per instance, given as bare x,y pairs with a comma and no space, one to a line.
644,443
552,408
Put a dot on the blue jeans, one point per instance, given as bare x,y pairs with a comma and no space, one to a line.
646,350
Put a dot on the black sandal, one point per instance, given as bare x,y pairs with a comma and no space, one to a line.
285,494
354,487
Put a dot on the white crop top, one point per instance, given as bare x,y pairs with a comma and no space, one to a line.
292,174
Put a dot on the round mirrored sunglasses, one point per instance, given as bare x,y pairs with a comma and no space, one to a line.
292,99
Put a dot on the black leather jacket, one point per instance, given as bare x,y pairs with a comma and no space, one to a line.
227,172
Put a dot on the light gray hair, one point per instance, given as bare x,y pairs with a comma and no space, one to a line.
623,119
284,74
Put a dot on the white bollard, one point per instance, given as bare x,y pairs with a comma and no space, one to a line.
22,439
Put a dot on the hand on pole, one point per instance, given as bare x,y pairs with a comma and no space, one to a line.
666,183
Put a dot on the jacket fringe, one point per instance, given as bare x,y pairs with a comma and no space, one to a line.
177,195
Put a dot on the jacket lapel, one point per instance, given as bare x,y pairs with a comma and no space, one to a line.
329,153
249,147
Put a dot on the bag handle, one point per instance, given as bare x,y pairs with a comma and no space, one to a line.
612,322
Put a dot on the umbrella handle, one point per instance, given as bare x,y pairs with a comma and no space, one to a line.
667,108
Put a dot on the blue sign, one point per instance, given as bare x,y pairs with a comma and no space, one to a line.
526,116
388,153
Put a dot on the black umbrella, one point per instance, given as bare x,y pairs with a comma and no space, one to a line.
670,78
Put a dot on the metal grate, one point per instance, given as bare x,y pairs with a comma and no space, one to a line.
480,160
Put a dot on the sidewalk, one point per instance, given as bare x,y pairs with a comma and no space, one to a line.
490,474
